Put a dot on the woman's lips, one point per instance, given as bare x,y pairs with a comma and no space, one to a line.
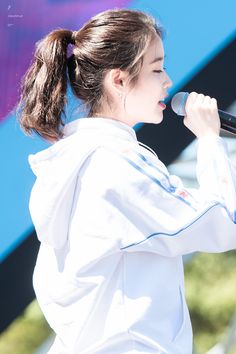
162,104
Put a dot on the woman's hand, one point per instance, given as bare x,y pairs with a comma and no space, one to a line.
202,116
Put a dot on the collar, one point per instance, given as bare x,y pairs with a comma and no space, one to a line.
99,125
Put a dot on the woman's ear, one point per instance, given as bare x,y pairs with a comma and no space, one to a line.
116,81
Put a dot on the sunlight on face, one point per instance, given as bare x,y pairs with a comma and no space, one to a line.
143,101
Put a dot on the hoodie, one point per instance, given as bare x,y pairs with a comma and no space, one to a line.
113,226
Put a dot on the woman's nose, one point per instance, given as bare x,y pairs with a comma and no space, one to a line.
168,82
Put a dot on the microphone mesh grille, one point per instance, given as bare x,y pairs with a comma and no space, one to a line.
178,103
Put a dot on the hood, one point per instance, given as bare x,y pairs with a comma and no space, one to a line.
57,169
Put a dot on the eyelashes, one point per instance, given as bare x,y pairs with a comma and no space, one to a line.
159,71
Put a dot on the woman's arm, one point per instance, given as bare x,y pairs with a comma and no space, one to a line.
164,217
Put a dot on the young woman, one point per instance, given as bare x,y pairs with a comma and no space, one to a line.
112,222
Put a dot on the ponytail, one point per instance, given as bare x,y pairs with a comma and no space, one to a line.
44,87
112,39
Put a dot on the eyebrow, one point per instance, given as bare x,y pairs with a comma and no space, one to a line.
157,59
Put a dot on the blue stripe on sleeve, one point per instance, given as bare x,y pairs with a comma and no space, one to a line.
161,172
180,230
155,180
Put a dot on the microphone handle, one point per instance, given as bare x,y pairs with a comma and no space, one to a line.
228,121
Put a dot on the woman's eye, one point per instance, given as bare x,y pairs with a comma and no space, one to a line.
159,71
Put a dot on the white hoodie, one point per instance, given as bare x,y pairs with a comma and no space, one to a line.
113,226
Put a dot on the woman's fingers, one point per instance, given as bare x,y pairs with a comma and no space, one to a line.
202,116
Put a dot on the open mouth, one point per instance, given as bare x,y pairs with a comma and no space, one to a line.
162,104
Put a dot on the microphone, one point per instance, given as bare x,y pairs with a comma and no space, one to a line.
228,121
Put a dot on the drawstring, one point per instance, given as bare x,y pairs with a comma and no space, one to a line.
147,147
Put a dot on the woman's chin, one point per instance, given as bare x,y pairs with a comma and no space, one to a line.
157,119
154,119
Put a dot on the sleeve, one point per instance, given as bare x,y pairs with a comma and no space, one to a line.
168,219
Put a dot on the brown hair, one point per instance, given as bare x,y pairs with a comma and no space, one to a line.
112,39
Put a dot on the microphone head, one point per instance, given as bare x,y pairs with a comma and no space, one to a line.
178,103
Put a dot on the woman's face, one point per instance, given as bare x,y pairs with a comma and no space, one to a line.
142,103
